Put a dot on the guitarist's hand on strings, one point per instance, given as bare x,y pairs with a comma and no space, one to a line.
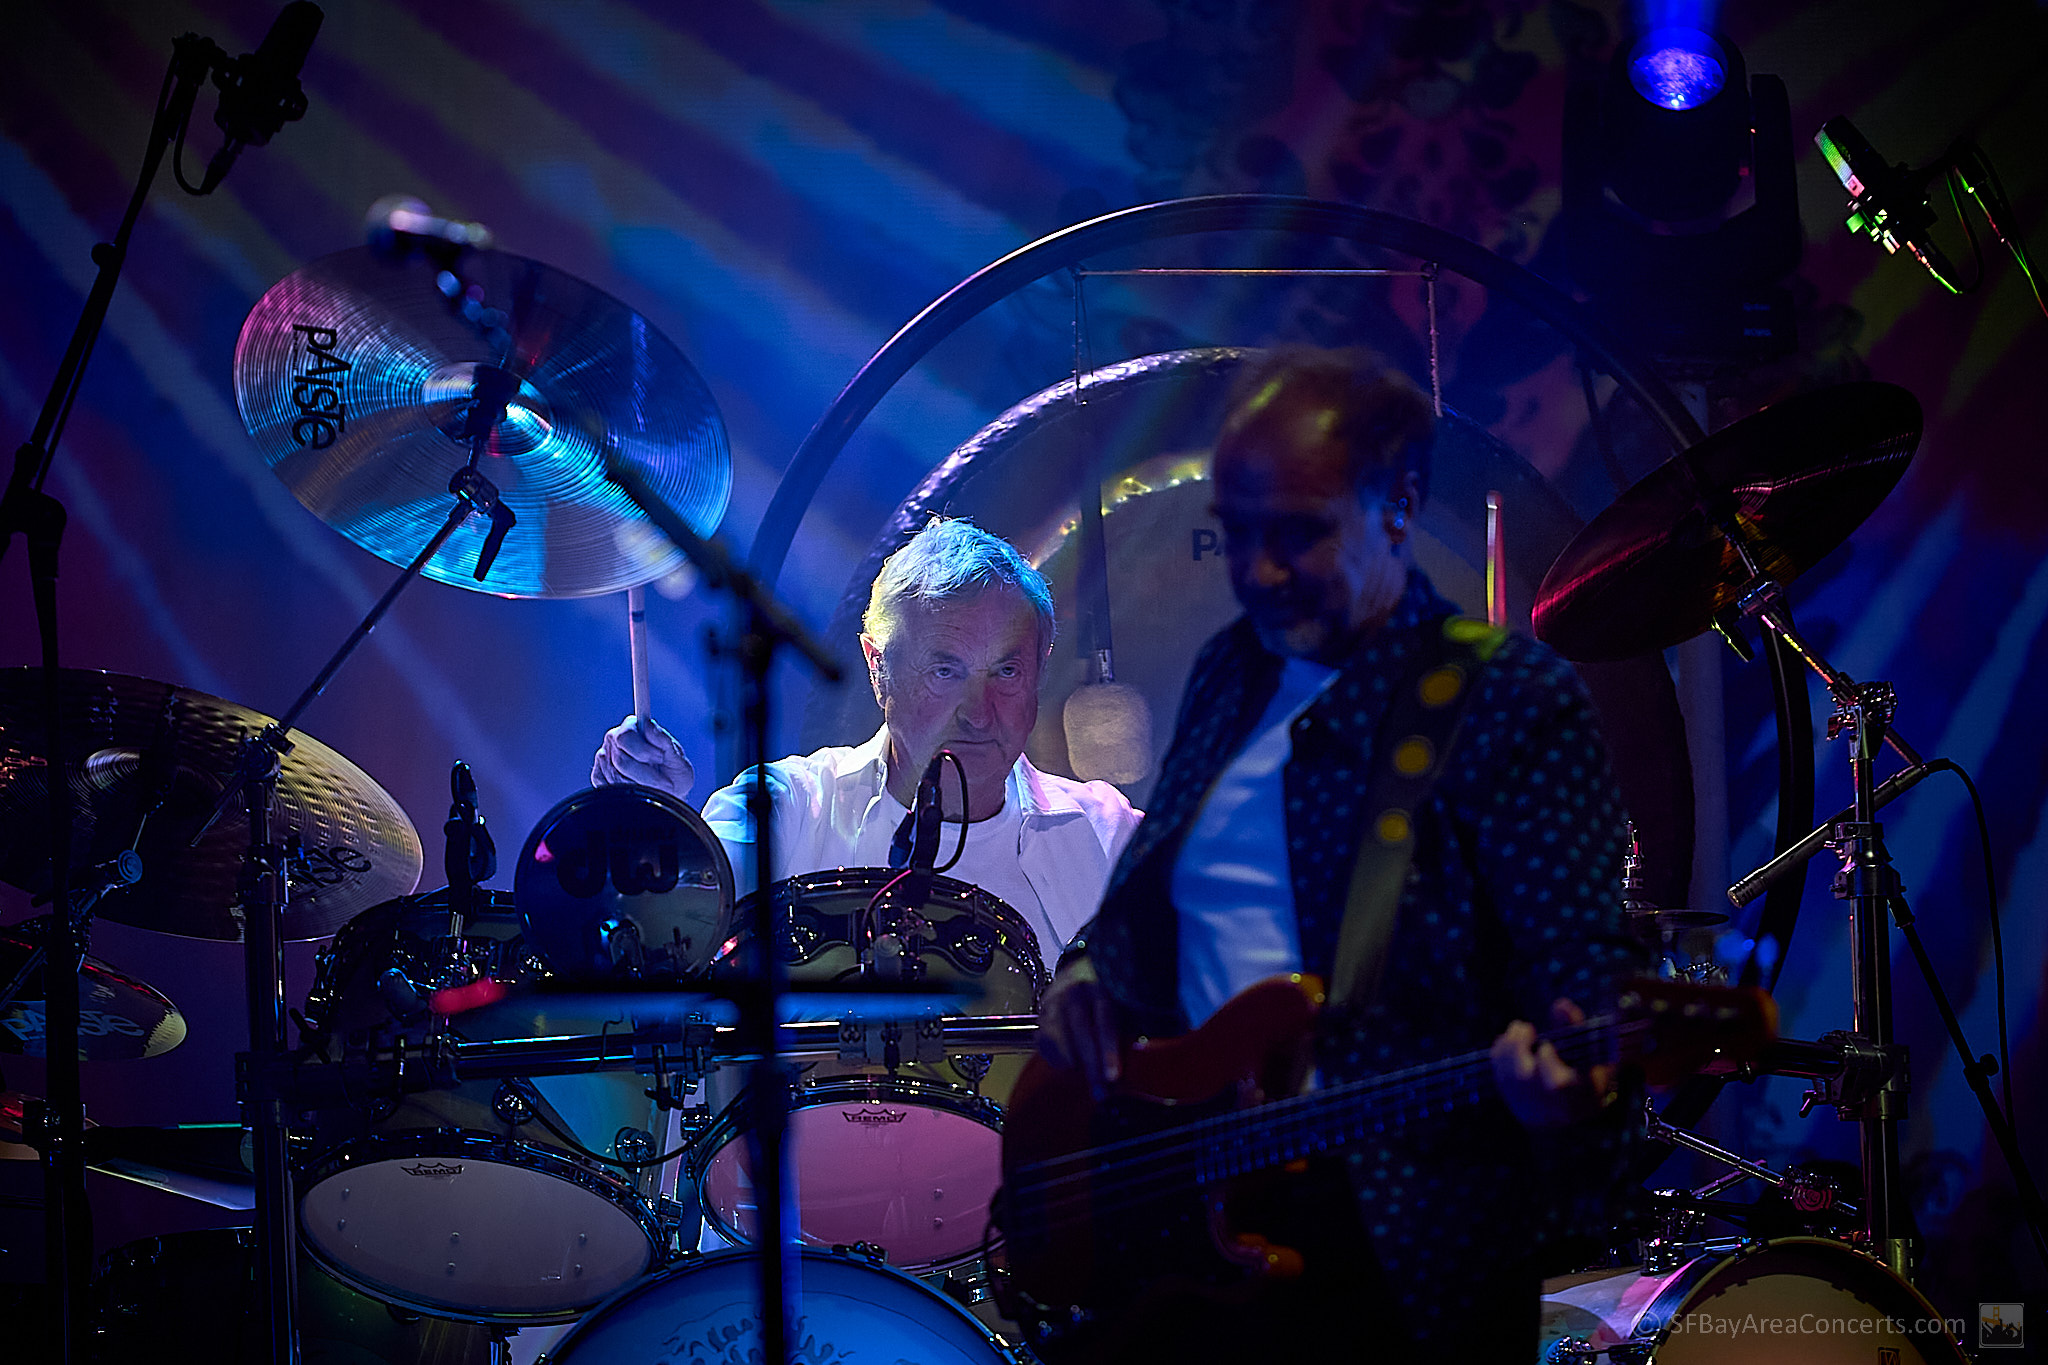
1540,1087
1077,1027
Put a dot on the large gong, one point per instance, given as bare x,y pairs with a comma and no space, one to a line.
1149,422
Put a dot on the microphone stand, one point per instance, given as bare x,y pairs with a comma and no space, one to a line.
59,1125
765,626
1870,886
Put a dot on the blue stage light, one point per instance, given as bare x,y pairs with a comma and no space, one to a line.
1677,68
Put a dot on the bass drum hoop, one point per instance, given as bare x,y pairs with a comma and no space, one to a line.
731,1126
467,1144
1864,1275
692,1263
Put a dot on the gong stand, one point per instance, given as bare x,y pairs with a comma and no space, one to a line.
764,626
1875,1096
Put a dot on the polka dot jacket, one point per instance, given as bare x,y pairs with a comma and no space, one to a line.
1512,901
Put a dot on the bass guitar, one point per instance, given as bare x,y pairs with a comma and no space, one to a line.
1157,1183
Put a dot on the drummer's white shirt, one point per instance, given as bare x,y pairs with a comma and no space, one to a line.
1048,853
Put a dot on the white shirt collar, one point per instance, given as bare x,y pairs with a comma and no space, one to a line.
1026,785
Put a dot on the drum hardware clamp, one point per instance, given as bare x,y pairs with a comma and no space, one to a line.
444,1063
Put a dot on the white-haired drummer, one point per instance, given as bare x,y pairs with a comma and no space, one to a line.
957,631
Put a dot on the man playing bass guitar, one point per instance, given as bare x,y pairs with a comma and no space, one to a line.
1363,787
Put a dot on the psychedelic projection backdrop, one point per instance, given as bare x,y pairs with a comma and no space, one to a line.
776,186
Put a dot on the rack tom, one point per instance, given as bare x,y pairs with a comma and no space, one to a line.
905,1158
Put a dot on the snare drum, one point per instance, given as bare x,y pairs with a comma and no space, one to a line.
908,1159
507,1202
1799,1298
708,1309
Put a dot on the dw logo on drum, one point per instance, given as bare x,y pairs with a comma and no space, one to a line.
638,862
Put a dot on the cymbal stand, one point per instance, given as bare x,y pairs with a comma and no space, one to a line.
1869,885
1741,1168
262,897
765,626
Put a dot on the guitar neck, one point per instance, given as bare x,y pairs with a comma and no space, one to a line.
1246,1140
1345,1115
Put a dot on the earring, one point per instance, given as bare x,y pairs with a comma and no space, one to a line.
1400,514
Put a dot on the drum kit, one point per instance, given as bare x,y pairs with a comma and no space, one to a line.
515,1110
504,1108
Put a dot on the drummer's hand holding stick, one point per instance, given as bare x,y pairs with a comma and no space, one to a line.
1077,1026
638,749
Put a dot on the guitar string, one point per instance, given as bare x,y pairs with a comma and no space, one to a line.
1571,1036
1140,1176
1117,1175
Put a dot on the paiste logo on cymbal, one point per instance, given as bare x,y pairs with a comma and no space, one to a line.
315,390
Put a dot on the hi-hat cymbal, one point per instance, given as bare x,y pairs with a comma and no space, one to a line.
356,378
119,1017
1792,481
151,758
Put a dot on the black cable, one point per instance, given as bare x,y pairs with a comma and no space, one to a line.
1997,938
569,1140
966,815
178,154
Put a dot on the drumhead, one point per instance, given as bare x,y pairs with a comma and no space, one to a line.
624,882
1824,1301
468,1226
708,1309
905,1165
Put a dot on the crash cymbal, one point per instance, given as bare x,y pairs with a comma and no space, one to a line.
151,757
119,1018
1793,481
356,378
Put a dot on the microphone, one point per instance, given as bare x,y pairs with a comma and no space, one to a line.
259,91
924,846
1892,788
399,227
1888,203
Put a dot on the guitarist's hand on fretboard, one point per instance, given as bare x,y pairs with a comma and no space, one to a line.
1540,1087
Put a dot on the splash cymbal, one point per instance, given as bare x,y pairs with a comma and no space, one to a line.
146,762
119,1017
1792,481
358,381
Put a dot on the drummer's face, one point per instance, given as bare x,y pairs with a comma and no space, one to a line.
960,674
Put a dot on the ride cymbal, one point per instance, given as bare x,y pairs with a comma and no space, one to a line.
1792,481
358,379
146,762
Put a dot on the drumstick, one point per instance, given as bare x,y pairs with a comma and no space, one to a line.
1496,565
636,639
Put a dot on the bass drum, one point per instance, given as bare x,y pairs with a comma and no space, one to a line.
192,1295
706,1310
906,1160
1800,1300
513,1202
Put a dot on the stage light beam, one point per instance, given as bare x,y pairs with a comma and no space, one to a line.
1677,68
